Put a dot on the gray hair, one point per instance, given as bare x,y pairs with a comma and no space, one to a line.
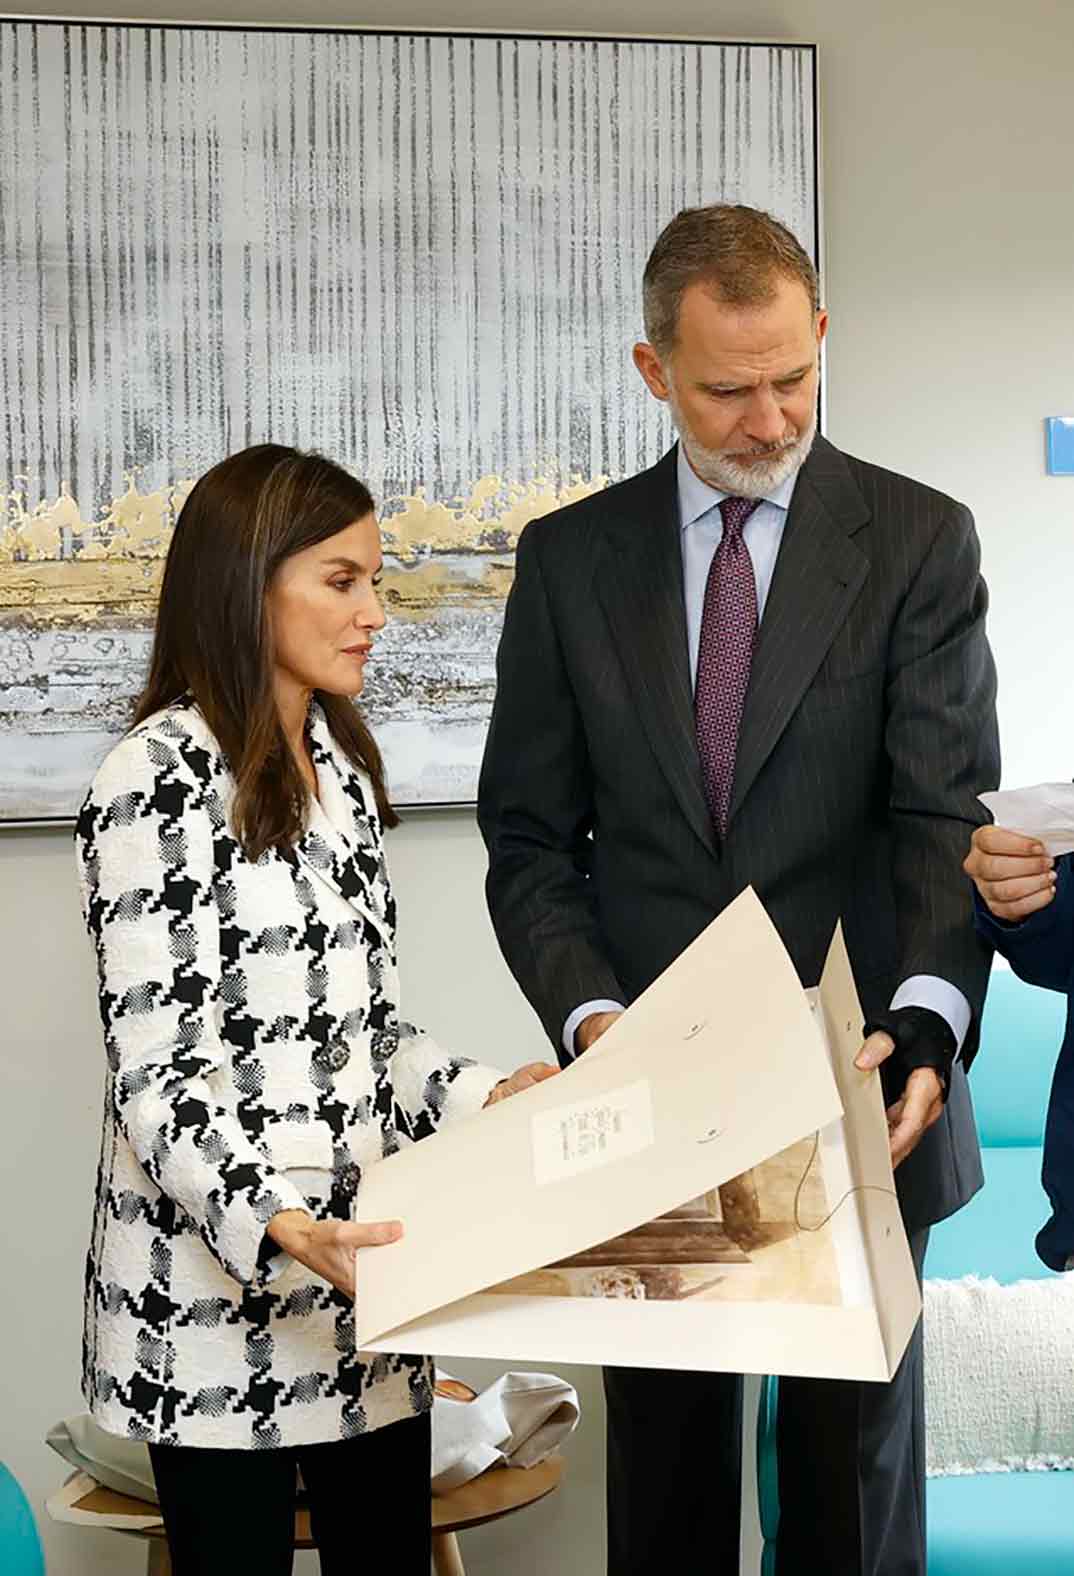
736,252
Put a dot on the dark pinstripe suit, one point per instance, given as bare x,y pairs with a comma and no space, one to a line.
868,731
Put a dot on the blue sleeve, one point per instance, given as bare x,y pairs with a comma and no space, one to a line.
1041,949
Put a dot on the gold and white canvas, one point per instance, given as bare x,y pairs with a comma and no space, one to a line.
418,253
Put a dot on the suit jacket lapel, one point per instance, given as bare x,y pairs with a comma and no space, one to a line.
641,590
819,574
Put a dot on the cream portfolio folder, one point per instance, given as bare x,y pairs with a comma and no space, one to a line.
709,1188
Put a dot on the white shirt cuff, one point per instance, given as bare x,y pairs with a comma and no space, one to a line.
926,990
579,1016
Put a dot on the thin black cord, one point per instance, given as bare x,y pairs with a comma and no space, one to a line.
862,1187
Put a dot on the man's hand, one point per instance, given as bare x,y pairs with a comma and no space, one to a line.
328,1247
523,1078
920,1104
1015,875
910,1118
592,1028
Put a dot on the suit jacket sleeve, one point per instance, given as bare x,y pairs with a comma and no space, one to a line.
535,809
145,851
943,748
1040,949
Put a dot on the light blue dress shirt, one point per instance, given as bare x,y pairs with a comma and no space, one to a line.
701,534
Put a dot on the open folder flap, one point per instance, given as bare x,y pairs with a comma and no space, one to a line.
896,1297
717,1066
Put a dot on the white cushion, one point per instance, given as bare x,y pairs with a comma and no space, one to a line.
999,1375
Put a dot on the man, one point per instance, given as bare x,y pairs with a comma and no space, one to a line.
760,662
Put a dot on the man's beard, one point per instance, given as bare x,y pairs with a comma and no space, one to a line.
725,469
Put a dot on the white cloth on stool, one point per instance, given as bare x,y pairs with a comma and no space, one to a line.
517,1421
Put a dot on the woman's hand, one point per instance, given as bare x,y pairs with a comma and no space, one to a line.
328,1247
1014,874
523,1078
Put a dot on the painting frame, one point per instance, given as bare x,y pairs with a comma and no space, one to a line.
808,53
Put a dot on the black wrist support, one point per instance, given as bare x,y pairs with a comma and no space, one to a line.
922,1039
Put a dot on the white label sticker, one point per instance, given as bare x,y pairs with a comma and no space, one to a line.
592,1133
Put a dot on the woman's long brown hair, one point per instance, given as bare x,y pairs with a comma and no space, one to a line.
214,638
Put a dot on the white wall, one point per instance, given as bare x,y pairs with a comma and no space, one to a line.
950,273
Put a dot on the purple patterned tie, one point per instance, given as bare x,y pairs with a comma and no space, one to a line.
725,652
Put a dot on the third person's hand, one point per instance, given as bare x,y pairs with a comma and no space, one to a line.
1015,875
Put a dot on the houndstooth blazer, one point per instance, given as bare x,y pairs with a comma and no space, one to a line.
253,1046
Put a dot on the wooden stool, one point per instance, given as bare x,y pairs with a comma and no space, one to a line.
498,1492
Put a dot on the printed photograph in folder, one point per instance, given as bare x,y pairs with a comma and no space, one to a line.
760,1235
710,1189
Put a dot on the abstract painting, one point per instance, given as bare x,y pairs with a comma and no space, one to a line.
418,253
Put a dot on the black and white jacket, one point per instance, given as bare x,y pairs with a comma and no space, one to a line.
256,1062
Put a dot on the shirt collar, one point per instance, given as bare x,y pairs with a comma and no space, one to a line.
697,497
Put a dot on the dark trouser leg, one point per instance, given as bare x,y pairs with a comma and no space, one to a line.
852,1470
227,1511
370,1500
674,1472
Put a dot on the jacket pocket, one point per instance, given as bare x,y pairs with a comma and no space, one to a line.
299,1145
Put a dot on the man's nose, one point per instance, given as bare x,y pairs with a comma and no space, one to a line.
765,421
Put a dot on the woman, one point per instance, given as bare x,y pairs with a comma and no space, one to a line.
1025,908
234,884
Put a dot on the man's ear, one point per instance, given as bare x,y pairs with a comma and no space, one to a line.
649,365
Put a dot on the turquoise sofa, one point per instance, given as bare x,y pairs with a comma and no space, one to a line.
20,1547
1019,1523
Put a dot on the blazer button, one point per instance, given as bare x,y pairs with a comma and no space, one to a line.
334,1056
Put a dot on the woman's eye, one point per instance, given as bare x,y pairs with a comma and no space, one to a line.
377,581
342,585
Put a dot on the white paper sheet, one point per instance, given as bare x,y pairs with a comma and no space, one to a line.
592,1133
1045,812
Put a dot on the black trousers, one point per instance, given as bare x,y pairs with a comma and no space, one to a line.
229,1512
851,1471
